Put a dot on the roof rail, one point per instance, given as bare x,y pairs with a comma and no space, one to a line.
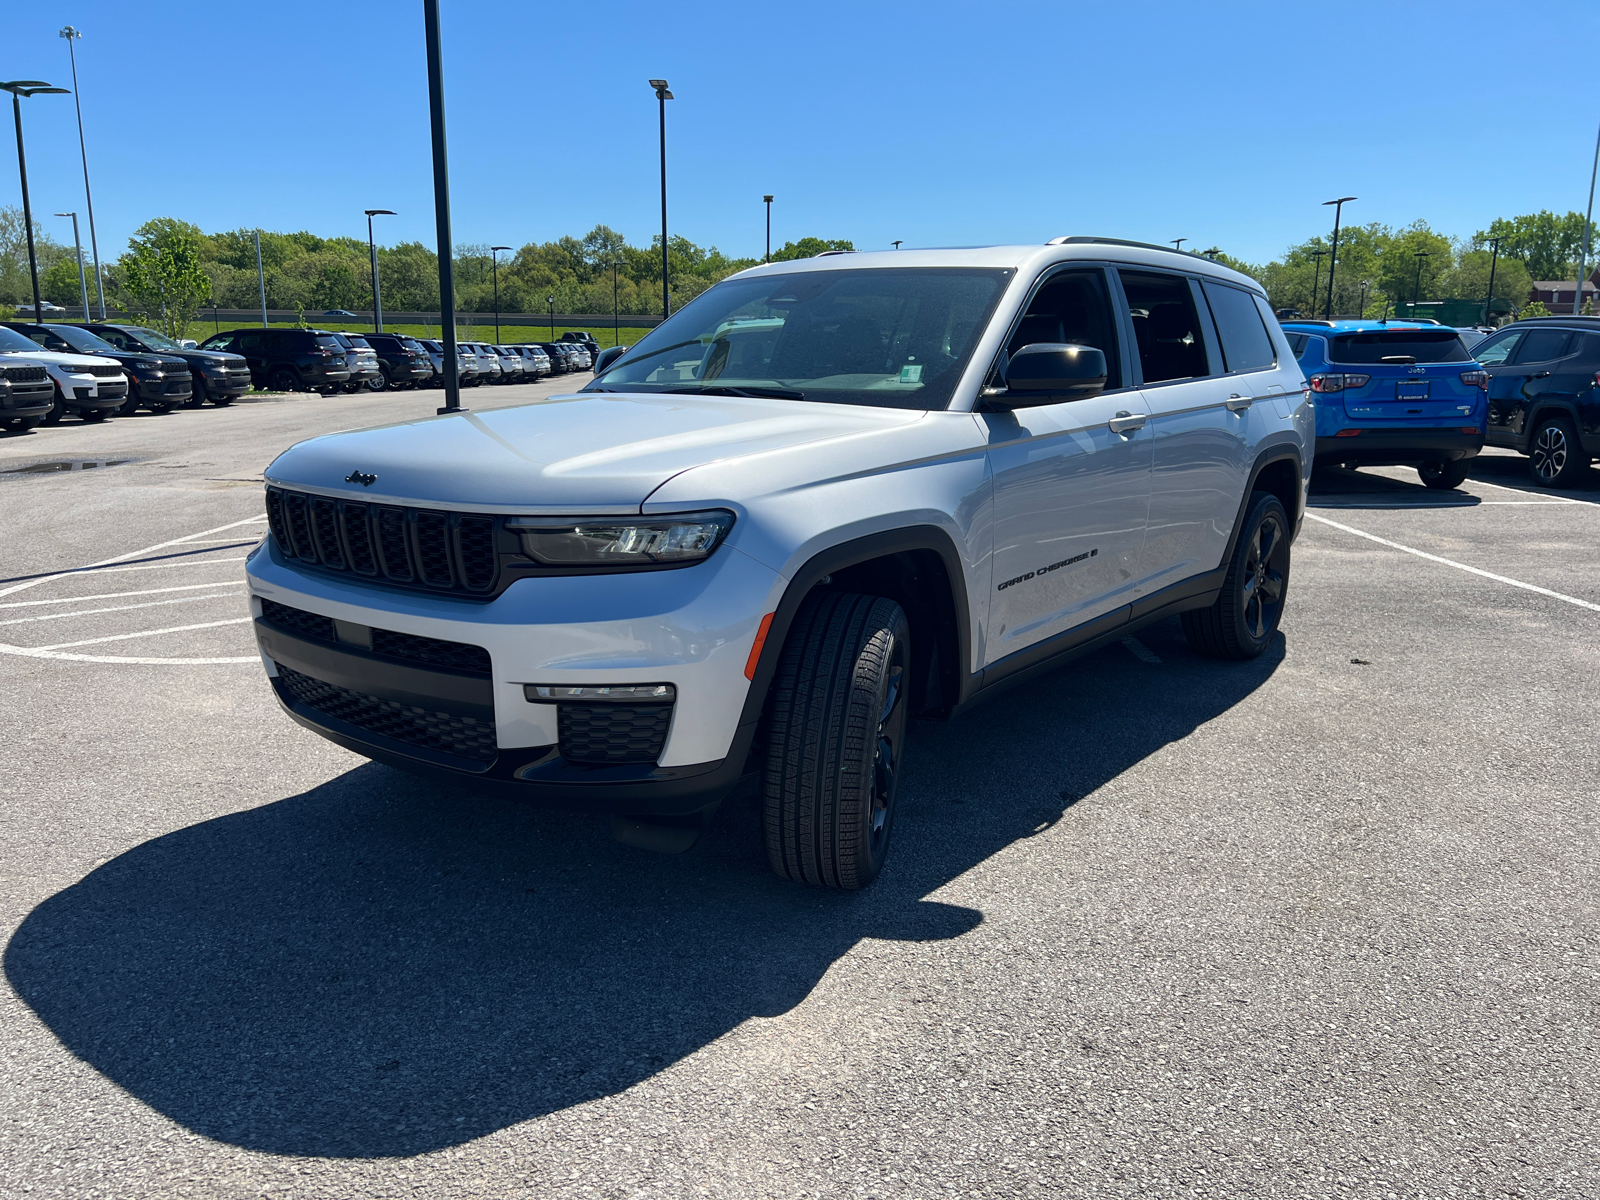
1305,321
1105,241
826,253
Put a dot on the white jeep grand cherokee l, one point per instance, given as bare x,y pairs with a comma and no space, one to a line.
825,496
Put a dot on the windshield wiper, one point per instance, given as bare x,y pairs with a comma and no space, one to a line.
719,389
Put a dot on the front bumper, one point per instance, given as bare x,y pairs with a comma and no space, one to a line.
97,392
226,383
168,388
1398,447
27,399
691,628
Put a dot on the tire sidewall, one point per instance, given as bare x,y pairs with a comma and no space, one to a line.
1265,508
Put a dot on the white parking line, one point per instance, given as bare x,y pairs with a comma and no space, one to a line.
123,637
1450,562
1525,492
89,612
28,583
182,587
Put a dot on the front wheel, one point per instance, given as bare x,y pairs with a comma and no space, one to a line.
1444,473
93,416
1246,613
23,424
1555,456
836,739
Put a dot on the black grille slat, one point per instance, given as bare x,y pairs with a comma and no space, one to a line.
466,737
435,651
475,543
394,546
275,521
26,374
433,548
358,539
299,523
612,733
297,620
325,523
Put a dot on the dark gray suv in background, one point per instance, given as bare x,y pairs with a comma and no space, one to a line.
1544,394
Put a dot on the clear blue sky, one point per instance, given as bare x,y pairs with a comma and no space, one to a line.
936,123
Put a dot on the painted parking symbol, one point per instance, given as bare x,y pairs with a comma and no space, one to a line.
170,599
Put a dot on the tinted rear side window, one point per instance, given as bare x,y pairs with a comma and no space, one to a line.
1398,345
1541,345
330,342
1587,347
1246,345
1166,326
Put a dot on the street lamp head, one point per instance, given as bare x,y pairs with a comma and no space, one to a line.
69,33
494,249
766,199
660,86
66,214
32,87
1340,200
381,212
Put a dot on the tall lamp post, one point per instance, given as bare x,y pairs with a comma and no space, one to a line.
372,249
1333,253
1583,257
1494,259
896,243
1177,243
1316,277
261,280
767,200
18,89
616,310
1416,292
1365,284
83,287
1212,253
662,96
73,35
441,207
494,258
551,301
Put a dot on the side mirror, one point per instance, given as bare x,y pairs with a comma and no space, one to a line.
608,356
1051,373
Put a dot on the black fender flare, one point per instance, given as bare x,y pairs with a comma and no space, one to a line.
1275,453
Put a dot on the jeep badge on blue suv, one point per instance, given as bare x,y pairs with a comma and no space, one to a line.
822,498
1394,394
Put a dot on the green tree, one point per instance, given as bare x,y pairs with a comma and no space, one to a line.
1398,275
15,285
809,247
162,276
1546,244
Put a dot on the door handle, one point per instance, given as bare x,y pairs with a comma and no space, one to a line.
1237,403
1540,375
1127,422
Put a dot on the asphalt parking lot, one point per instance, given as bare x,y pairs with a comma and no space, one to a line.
1323,924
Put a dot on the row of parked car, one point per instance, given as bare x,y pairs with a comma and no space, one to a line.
52,369
1417,393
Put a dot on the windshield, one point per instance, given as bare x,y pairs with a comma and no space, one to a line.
156,341
1399,346
10,339
890,337
413,345
82,339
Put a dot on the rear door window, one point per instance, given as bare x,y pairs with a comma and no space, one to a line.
1586,346
1246,345
1398,346
1495,351
1166,326
1541,345
329,342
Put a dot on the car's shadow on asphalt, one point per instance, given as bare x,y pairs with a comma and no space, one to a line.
1339,487
377,967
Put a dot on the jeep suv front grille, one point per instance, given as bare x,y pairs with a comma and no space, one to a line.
26,374
103,370
419,548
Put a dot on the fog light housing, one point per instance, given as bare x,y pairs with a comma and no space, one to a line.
611,693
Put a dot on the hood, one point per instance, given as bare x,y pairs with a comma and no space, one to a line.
220,357
57,357
588,453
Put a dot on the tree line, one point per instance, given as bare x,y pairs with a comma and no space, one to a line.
173,270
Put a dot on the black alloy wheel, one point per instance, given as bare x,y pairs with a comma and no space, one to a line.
1555,456
1444,473
93,416
57,411
131,404
835,739
284,379
221,401
1242,621
199,394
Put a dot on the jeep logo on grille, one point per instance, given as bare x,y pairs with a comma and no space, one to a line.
362,478
1417,370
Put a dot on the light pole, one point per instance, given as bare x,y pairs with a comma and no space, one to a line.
372,249
1177,243
441,207
1333,254
1212,253
18,89
662,96
1583,257
1494,259
73,35
616,311
551,301
896,243
261,280
1363,310
767,200
1316,277
77,243
1416,293
494,257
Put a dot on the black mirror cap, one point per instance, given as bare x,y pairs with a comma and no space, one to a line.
608,356
1044,371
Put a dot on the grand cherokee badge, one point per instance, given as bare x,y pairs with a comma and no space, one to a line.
362,478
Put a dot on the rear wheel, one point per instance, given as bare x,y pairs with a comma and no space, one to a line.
378,382
1444,473
1246,613
836,740
93,416
284,379
1555,456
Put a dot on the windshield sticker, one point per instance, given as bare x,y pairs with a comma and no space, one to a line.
1056,566
911,374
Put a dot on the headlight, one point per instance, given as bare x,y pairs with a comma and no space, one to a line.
610,541
145,364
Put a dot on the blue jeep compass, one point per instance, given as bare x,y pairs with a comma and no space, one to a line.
1393,394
